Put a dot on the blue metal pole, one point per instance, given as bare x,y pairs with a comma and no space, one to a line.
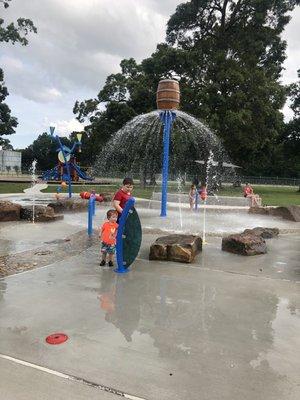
90,215
196,199
93,203
94,207
165,168
167,118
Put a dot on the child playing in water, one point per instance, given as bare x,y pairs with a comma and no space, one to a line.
203,192
123,195
108,234
248,192
192,196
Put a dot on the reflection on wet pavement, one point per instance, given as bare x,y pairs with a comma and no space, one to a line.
222,335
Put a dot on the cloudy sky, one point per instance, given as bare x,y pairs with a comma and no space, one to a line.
80,42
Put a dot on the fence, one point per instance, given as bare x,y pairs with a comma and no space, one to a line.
233,179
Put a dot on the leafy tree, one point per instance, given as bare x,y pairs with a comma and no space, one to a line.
13,33
236,55
290,140
8,123
5,144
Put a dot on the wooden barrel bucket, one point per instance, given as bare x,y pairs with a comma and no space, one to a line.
168,95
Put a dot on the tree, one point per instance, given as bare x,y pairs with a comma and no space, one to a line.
290,140
14,34
236,55
8,123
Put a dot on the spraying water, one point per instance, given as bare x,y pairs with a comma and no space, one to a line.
137,147
179,190
210,162
33,180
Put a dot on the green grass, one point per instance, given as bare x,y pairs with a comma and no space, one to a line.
271,195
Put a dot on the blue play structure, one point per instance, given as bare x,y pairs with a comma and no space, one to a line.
59,173
66,170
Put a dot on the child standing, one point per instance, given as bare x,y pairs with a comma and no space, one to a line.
203,192
192,196
108,234
123,195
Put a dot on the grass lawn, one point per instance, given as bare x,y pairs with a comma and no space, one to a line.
271,195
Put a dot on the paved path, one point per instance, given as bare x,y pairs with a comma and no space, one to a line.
226,327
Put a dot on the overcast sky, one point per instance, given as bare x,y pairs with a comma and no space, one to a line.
79,43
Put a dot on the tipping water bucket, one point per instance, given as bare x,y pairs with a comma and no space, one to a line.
168,95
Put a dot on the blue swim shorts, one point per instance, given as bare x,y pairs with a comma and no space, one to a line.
108,248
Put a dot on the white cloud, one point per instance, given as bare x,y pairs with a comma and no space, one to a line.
64,127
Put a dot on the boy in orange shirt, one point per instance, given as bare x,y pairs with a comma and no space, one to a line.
108,234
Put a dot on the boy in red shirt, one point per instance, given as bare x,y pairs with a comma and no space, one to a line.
122,195
108,234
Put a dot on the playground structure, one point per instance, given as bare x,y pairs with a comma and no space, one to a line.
60,173
67,170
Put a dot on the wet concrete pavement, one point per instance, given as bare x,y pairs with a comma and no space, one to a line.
225,327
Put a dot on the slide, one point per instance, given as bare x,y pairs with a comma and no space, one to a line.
81,174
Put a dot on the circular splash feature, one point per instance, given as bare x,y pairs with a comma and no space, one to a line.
57,338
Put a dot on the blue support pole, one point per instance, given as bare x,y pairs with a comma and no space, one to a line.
119,245
167,118
196,199
91,210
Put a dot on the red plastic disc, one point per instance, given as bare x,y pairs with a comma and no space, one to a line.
56,338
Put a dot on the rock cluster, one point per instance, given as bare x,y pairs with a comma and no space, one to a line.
250,242
291,213
244,244
265,233
181,248
9,211
41,214
14,212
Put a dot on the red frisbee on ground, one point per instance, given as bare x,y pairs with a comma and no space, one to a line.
56,338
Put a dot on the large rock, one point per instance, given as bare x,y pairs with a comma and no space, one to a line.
9,211
291,213
244,244
259,210
265,233
182,248
41,214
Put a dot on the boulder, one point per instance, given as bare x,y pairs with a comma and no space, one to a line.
181,248
9,211
265,233
244,244
291,213
57,206
41,214
259,210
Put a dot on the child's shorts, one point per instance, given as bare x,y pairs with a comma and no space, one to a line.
108,248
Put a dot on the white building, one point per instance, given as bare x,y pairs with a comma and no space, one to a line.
10,161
